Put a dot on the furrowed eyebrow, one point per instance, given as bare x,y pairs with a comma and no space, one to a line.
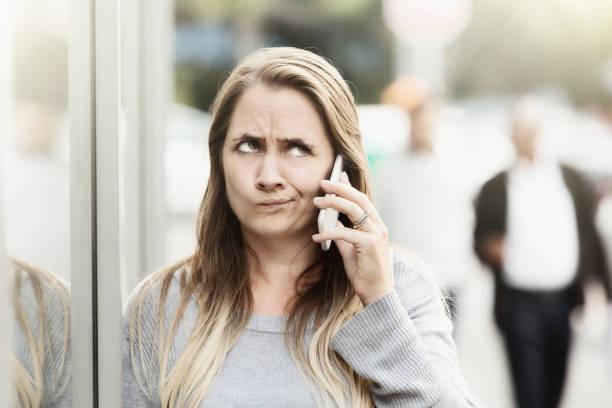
248,138
245,137
296,140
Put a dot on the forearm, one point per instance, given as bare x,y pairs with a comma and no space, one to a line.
383,344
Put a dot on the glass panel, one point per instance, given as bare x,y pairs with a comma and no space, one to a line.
35,159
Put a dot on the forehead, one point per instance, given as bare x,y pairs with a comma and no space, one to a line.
277,112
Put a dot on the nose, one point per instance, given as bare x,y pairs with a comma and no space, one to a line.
269,177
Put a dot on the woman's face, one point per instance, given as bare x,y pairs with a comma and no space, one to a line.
276,152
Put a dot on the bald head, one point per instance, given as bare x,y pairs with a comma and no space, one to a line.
526,119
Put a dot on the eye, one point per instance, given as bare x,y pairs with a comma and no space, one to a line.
299,150
248,146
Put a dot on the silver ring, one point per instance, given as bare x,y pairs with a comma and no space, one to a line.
362,220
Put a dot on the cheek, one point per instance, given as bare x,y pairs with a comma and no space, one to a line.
235,186
309,182
235,182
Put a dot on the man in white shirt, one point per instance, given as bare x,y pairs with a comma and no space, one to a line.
535,229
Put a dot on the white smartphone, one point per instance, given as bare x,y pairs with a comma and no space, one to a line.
329,216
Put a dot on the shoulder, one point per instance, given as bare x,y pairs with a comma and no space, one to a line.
568,169
164,285
41,300
157,296
418,291
40,291
576,180
492,191
573,175
497,180
407,262
411,275
33,275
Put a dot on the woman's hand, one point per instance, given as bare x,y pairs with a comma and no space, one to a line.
364,248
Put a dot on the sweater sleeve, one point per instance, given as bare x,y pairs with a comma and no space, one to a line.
403,343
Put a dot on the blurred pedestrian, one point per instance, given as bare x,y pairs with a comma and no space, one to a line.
422,198
535,229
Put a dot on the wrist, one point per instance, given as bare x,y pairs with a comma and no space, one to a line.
374,294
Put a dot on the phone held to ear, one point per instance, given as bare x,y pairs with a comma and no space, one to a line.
329,216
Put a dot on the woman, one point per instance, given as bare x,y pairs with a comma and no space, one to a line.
260,316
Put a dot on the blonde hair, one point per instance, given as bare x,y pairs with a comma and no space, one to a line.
30,386
216,275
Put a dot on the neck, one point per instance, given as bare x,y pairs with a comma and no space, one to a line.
421,144
275,272
527,157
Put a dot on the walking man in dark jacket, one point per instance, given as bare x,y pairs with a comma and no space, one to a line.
535,229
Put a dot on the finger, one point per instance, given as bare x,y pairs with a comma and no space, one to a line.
350,208
372,213
341,232
373,217
344,247
345,190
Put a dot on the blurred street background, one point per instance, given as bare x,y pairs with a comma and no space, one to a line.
474,57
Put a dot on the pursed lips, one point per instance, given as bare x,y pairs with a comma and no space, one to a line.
275,202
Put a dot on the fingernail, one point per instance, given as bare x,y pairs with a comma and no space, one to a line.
317,199
325,182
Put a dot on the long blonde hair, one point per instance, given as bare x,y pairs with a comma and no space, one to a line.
217,274
30,383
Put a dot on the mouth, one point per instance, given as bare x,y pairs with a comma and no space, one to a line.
279,203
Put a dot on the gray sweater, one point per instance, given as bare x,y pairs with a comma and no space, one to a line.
57,368
402,342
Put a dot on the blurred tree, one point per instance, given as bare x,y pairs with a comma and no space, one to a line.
194,10
514,46
510,47
350,33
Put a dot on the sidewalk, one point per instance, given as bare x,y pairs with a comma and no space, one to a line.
483,360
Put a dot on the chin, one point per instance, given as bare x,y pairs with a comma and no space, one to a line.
275,230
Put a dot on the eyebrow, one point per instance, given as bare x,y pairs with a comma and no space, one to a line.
285,140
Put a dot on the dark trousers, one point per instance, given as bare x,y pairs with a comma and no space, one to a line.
536,331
